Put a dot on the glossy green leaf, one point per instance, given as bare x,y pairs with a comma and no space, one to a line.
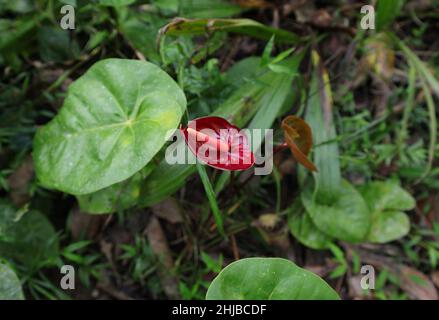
115,118
386,201
303,228
29,239
268,279
346,218
10,286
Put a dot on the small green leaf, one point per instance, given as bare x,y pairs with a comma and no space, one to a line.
386,200
346,218
141,31
10,286
115,118
268,279
266,55
303,228
388,226
382,195
55,45
31,240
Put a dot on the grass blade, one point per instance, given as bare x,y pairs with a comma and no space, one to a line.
210,193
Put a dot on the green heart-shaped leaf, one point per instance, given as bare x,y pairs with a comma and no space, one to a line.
29,239
346,218
303,228
386,201
268,279
10,286
115,118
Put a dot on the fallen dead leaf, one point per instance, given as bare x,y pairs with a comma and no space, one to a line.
19,180
169,210
355,290
321,18
261,4
159,246
416,284
435,278
273,230
84,225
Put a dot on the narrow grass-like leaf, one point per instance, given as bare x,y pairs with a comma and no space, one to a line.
194,27
402,135
422,69
433,129
319,117
210,193
387,12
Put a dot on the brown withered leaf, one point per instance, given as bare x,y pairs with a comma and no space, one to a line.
416,284
298,136
355,290
168,209
380,57
267,221
84,225
321,18
261,4
19,181
159,246
435,278
273,230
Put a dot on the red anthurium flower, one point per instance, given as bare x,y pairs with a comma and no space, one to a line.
218,143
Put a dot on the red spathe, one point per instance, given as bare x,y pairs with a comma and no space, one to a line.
219,144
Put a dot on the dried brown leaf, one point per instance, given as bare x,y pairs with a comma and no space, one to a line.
84,225
159,246
169,210
19,181
298,136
